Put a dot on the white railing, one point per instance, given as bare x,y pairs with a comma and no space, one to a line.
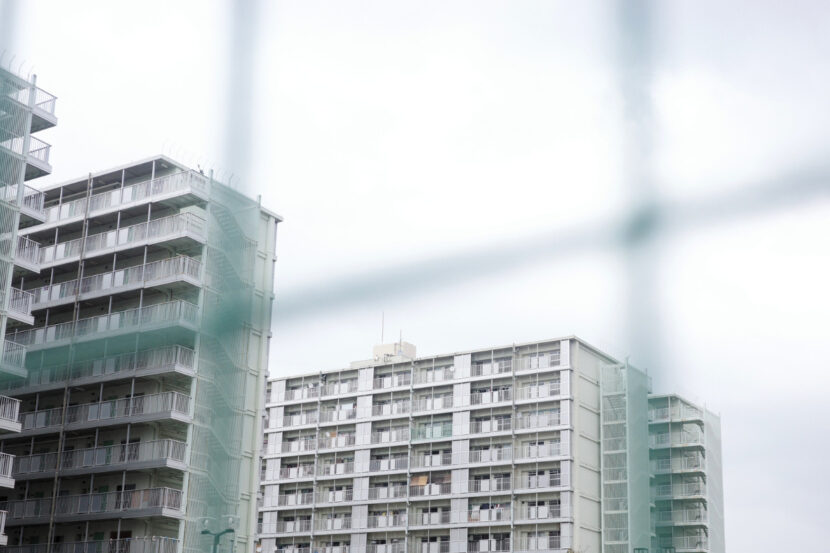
300,471
387,492
157,229
390,463
427,459
430,489
306,392
154,544
103,456
28,251
173,311
432,431
20,301
492,425
488,515
391,380
333,442
489,485
541,480
288,526
334,415
683,489
32,198
391,435
393,408
334,469
537,420
678,464
108,502
45,102
9,409
299,419
167,357
334,496
434,375
550,449
484,368
488,545
430,403
386,521
334,388
490,455
539,512
539,543
334,523
682,516
6,465
675,439
490,396
182,181
538,391
39,149
426,518
541,361
289,499
107,410
685,542
122,278
675,413
14,355
293,446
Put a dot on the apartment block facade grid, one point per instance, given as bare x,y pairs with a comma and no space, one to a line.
148,292
496,450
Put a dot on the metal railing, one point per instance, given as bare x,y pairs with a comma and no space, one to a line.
542,361
675,439
391,381
173,311
432,431
334,523
682,516
154,544
427,459
6,465
435,375
491,425
334,496
539,421
107,502
387,492
675,413
540,543
300,471
299,419
27,250
430,403
32,198
393,408
306,392
306,444
487,545
489,455
287,526
334,469
20,302
39,149
550,449
541,390
539,512
491,367
391,463
541,480
488,515
386,521
122,278
181,181
146,359
502,484
157,229
45,101
14,355
103,456
9,409
429,518
107,410
678,464
430,489
685,542
333,415
289,499
490,396
341,440
334,388
682,489
400,434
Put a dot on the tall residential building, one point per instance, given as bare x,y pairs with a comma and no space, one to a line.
149,288
24,109
538,447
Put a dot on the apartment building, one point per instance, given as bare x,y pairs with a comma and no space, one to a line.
526,448
148,291
687,481
24,110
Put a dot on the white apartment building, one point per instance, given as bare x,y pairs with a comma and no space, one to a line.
147,302
24,110
509,449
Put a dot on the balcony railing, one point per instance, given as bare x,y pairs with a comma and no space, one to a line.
541,361
550,449
386,521
539,512
685,542
430,489
541,481
342,440
289,526
391,435
425,518
387,492
494,367
335,388
140,275
157,229
9,409
390,463
399,547
428,459
108,502
32,198
292,446
538,392
149,189
393,408
683,489
675,413
300,471
299,419
541,543
432,432
538,421
39,149
28,251
104,456
155,544
490,455
334,469
306,392
490,396
333,523
6,465
430,403
677,464
487,545
436,375
14,355
289,499
488,515
493,425
107,410
167,357
338,415
489,485
682,516
169,312
675,439
391,381
20,302
334,496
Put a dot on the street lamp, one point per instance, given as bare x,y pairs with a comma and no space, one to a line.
217,536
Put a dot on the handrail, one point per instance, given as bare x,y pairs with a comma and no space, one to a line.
127,500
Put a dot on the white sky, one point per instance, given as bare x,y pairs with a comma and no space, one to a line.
389,131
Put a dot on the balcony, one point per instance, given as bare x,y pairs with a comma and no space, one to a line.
300,471
333,524
540,544
678,464
432,403
489,516
335,469
390,436
337,388
490,426
537,421
679,491
490,396
492,455
27,254
335,442
432,432
539,512
9,414
427,518
390,463
6,465
288,526
95,506
334,496
487,545
172,227
297,446
491,367
391,409
161,188
386,521
547,360
434,375
428,490
4,539
145,318
337,415
295,499
533,482
428,459
141,363
300,419
537,451
37,160
20,306
13,360
502,484
165,271
391,381
306,392
681,517
387,492
155,544
675,439
31,208
136,456
677,413
172,405
542,391
686,543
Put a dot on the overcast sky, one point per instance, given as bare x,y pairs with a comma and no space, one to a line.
391,132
